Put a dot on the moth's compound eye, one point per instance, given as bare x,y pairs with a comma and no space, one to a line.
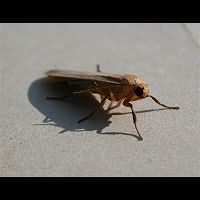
139,91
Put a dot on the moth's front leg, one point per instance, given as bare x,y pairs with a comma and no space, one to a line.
128,104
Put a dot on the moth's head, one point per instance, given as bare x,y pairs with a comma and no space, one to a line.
140,91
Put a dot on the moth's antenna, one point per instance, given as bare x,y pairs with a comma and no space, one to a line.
98,68
169,107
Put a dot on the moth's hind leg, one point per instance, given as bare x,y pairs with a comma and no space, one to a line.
66,91
60,98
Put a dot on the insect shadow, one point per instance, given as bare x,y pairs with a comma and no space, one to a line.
65,114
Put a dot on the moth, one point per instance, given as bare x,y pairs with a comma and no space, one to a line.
122,89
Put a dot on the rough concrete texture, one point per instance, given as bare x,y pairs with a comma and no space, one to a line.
167,56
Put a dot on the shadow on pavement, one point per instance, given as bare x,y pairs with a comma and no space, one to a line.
65,114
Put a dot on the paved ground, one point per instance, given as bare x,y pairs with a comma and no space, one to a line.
167,56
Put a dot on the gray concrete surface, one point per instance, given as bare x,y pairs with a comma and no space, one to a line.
167,56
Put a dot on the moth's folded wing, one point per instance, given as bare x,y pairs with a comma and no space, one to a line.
76,75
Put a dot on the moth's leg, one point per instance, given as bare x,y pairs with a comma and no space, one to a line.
127,104
116,106
60,98
102,101
98,68
110,105
93,112
113,99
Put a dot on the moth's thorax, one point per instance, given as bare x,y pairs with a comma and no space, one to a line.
125,90
134,80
